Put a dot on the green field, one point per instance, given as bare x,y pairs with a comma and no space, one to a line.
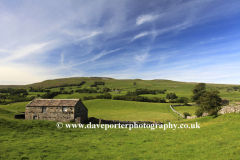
117,110
190,109
217,138
128,110
75,95
181,89
15,107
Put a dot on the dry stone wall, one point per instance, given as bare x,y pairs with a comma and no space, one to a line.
171,106
191,117
229,109
103,121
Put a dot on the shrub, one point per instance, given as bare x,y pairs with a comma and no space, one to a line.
186,114
88,97
199,112
182,100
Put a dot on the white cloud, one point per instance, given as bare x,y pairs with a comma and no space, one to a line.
146,18
81,34
140,35
80,29
93,34
141,57
22,51
103,53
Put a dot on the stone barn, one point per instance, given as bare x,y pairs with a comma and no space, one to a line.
62,110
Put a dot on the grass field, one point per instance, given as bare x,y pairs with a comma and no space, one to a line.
190,109
75,95
217,138
128,110
116,110
13,107
181,89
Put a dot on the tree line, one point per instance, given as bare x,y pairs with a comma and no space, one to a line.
139,98
103,96
38,89
67,85
97,83
91,90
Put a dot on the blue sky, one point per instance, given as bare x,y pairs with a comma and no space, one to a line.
191,41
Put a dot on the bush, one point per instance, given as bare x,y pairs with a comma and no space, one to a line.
186,114
88,97
104,96
182,100
199,112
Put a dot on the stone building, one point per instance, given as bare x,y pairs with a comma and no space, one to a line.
63,110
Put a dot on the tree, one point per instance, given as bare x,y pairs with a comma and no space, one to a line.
168,96
134,83
182,100
4,97
198,90
210,102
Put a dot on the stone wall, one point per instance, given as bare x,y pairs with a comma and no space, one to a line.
171,106
229,109
103,121
191,117
188,117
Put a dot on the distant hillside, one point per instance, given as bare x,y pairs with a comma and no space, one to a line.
113,83
57,82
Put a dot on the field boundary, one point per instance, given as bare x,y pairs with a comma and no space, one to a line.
171,106
94,120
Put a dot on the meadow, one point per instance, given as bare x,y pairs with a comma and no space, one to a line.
218,137
128,110
189,109
181,89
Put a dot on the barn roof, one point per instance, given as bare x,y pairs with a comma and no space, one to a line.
53,102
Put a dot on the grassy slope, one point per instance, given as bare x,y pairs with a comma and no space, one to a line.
182,89
116,110
218,138
190,109
13,107
75,95
128,110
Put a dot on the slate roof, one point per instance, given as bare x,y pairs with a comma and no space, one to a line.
53,102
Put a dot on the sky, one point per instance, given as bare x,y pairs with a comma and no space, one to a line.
180,40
